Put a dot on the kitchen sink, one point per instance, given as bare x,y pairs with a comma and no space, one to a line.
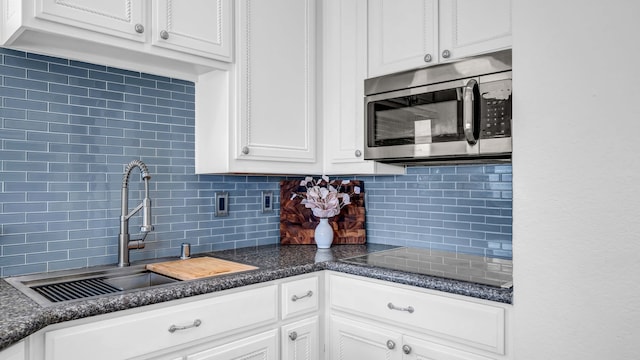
69,285
137,281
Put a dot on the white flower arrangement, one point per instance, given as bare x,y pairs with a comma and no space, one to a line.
323,197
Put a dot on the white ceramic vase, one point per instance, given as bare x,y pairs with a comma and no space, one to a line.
324,234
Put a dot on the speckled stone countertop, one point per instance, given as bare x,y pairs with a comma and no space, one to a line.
20,316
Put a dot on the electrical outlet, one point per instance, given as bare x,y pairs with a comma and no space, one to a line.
267,201
222,204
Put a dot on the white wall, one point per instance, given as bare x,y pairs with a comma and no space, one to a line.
576,176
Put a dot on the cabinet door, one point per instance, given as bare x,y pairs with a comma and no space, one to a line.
417,349
402,35
122,18
300,340
471,27
199,27
355,340
344,46
276,81
15,352
258,347
344,70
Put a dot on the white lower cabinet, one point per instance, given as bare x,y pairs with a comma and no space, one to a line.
360,340
273,320
14,352
262,346
415,349
152,331
319,316
376,320
356,340
300,340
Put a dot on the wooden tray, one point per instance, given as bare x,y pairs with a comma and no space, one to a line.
297,223
197,268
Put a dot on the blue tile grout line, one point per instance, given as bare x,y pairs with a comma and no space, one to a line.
68,129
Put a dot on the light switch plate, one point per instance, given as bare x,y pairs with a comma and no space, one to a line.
267,201
222,204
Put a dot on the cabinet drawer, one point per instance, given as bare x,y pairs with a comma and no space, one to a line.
146,332
478,325
299,297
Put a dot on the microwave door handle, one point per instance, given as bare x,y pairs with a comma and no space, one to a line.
470,97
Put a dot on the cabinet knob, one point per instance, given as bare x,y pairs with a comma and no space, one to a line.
358,153
139,28
428,58
391,345
245,150
164,34
406,349
293,336
446,54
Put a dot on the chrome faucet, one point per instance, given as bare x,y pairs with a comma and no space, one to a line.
124,243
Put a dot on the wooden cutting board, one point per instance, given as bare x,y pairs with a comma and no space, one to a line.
197,268
297,223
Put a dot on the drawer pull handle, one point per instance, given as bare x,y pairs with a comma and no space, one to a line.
391,345
408,309
293,336
174,328
296,297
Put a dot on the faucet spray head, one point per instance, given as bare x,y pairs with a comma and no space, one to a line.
146,211
146,204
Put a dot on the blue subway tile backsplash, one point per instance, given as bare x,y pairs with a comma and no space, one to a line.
68,129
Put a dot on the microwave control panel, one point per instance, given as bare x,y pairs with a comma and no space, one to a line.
495,110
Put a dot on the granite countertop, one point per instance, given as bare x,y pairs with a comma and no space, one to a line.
20,316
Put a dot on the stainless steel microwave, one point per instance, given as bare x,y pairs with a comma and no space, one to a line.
454,112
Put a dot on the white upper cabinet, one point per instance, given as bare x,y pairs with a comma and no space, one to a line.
201,27
271,125
471,27
402,35
121,18
418,33
344,65
180,39
276,80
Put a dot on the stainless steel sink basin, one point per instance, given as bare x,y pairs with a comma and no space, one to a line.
69,285
140,280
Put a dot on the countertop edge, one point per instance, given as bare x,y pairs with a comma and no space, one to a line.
450,286
14,329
